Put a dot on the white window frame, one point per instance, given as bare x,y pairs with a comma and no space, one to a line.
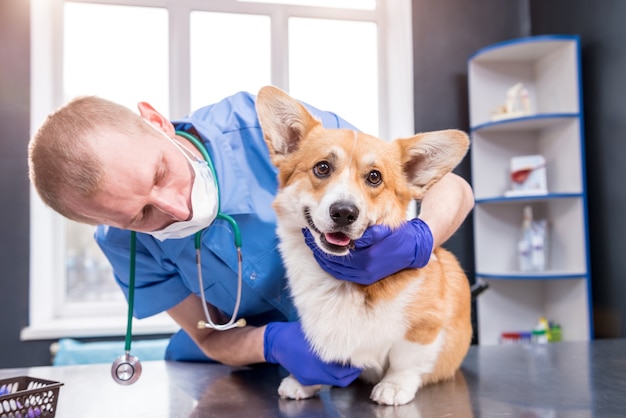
47,240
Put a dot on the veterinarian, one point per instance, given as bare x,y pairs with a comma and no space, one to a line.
96,162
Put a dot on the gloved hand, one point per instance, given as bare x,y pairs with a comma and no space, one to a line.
379,253
285,344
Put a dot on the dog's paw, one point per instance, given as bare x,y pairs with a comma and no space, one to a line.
290,388
390,393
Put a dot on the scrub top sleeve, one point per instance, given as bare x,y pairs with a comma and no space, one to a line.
341,123
158,286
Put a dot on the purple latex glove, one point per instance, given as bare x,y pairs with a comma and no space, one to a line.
379,253
285,344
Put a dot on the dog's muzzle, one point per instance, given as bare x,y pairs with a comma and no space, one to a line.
342,215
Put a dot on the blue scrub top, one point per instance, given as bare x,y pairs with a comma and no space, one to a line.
166,271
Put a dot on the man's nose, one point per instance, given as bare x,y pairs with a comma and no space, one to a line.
174,203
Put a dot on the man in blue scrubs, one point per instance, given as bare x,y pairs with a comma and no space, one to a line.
97,162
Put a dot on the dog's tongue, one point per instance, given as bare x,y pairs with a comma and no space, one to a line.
337,238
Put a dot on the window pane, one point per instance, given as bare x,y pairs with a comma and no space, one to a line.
229,53
117,52
89,275
109,54
339,4
333,65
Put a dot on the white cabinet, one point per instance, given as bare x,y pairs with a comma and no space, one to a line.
551,125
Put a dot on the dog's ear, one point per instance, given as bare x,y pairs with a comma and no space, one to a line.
427,157
284,121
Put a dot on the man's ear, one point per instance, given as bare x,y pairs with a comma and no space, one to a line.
284,121
153,117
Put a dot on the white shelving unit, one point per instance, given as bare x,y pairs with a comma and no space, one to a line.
549,68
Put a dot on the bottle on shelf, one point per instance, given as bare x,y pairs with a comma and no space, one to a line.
538,251
524,245
540,333
532,246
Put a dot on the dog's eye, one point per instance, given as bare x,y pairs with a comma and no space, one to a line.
322,169
374,178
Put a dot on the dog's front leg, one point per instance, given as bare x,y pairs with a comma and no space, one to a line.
408,362
290,388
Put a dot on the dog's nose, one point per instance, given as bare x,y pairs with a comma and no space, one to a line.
343,213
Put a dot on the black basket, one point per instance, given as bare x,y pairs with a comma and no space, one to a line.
26,397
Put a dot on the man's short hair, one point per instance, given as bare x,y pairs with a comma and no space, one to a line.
62,158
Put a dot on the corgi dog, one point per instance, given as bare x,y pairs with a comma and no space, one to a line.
404,331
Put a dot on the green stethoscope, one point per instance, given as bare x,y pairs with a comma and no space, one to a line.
126,369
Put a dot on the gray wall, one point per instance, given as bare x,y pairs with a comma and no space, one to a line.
446,33
601,27
14,227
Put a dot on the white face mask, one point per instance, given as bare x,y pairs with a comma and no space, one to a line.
204,201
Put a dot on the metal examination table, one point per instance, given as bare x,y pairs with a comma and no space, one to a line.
569,379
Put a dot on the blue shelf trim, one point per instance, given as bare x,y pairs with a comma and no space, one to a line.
524,119
584,179
527,276
550,196
528,39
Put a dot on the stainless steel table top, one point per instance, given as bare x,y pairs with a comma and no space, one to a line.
575,379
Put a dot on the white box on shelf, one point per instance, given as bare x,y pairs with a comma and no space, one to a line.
528,176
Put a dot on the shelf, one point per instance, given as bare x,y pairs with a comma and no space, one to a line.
525,123
521,50
497,231
516,305
546,119
547,66
527,199
544,275
557,139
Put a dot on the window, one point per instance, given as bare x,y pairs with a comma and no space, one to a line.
353,57
219,69
348,68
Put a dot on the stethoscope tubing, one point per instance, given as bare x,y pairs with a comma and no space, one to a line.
126,369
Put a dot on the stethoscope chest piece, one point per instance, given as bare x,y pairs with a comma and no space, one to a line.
126,369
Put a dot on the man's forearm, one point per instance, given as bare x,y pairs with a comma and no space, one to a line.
236,347
445,206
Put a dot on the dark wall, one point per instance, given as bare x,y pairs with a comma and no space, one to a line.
14,189
445,34
602,31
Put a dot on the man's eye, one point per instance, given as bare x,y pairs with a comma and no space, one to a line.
145,213
322,169
143,216
160,175
374,178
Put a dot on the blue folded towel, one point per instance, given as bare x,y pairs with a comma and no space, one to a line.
70,351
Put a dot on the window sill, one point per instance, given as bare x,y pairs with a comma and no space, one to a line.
108,326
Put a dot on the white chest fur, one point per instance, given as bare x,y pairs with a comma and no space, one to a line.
334,314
